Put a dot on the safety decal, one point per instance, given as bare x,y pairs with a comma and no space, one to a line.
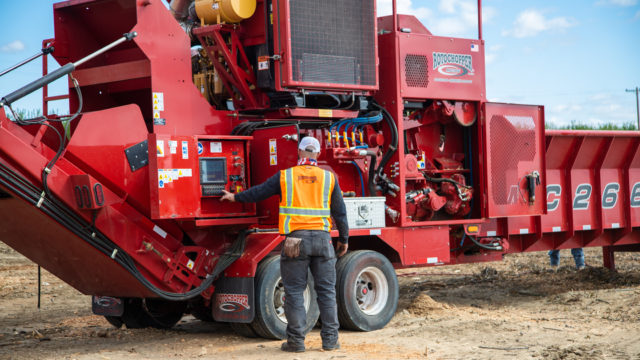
263,63
185,150
173,147
215,147
158,102
158,230
273,147
160,147
325,113
273,160
200,148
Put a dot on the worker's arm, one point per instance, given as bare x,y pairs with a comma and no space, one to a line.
339,214
257,193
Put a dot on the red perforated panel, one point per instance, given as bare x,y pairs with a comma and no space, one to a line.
514,137
415,70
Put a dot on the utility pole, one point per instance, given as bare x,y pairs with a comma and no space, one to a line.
636,90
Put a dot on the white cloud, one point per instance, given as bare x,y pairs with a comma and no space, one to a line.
451,18
531,22
461,18
491,53
617,2
384,7
14,46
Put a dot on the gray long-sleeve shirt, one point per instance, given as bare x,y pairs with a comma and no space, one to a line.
272,187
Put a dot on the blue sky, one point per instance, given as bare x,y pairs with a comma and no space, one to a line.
574,57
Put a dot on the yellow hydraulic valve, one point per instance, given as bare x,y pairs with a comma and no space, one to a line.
224,11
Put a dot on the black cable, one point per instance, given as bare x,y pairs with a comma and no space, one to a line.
372,172
393,146
61,214
61,139
498,248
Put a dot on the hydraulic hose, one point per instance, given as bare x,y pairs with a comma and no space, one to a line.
372,172
64,216
393,146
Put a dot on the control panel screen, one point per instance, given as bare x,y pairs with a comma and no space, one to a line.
213,170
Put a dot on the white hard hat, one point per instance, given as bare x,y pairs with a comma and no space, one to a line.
309,144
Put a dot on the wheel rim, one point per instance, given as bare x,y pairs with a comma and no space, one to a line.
372,290
278,300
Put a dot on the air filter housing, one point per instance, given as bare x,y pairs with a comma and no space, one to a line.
326,44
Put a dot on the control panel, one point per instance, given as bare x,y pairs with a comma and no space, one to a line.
189,174
222,167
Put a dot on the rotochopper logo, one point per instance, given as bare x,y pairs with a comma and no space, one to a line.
453,64
232,302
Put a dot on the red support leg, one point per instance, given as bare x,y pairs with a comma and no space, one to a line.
608,257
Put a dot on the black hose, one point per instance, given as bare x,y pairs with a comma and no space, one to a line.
393,146
372,172
64,216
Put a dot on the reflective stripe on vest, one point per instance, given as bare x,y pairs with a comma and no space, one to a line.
310,218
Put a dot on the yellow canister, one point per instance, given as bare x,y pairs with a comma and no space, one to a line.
227,11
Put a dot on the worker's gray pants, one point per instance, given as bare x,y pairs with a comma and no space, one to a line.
317,254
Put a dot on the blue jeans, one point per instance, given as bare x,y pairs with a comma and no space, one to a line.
317,254
578,257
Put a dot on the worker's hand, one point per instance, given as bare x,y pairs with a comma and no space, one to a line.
341,249
228,196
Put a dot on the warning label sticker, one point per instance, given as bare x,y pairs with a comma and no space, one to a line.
160,147
158,102
273,147
273,160
173,147
185,150
215,147
263,63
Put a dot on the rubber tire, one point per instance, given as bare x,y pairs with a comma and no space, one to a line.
163,314
349,313
142,313
266,323
133,317
200,311
243,329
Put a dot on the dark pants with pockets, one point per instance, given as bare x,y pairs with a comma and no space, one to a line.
317,254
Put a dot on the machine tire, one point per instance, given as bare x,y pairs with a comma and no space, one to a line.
371,274
267,322
243,329
133,317
116,321
200,311
163,314
142,313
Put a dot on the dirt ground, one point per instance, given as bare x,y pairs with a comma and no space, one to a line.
515,309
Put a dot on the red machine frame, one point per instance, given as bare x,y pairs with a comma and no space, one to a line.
587,191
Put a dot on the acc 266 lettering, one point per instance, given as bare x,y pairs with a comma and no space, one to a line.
582,196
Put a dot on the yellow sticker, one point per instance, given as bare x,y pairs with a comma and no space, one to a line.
273,147
160,148
325,113
273,160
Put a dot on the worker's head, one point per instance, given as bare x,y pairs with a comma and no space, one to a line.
309,147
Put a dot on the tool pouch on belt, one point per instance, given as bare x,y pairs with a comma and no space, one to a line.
292,247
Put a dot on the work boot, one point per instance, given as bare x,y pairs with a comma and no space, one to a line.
335,346
286,346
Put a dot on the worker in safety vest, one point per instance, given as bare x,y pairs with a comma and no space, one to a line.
309,198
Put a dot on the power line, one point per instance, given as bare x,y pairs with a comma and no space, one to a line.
637,90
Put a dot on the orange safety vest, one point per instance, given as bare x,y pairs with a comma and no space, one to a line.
306,199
